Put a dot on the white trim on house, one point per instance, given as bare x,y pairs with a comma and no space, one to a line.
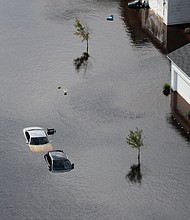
180,71
180,81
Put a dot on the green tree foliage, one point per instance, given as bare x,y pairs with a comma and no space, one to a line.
135,140
82,31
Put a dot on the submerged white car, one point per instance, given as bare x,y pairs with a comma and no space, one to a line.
37,139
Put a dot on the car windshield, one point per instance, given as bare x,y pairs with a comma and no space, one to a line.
39,141
62,165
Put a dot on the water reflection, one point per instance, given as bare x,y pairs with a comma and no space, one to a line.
179,110
41,148
132,21
145,26
166,89
169,38
175,123
135,174
166,92
82,61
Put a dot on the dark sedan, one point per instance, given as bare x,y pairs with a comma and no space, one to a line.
58,161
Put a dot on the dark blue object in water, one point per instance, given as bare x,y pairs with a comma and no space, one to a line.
110,18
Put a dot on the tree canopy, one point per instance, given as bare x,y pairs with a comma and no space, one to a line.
135,139
82,31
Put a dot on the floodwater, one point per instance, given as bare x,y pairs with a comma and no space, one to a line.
120,89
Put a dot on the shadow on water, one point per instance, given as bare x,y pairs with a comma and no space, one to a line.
82,61
175,122
135,174
41,148
178,118
132,22
144,26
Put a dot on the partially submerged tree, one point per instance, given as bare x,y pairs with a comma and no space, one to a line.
82,31
135,140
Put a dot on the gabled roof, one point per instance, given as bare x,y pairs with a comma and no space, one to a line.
181,57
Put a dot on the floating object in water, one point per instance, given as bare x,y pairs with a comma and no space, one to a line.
64,92
51,131
110,18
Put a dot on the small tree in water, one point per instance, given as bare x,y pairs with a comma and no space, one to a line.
82,32
135,140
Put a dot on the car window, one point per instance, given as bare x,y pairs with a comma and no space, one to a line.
27,135
48,159
39,140
62,165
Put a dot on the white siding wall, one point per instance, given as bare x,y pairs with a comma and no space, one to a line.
156,5
180,82
172,11
178,12
173,78
160,8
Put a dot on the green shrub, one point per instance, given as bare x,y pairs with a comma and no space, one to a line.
187,30
166,87
188,114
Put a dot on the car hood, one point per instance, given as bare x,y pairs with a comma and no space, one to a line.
40,148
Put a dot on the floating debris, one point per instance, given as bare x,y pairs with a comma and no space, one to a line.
64,92
110,18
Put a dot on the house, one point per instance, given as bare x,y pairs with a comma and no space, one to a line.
180,71
172,12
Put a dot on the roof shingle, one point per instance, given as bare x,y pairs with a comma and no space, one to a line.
181,57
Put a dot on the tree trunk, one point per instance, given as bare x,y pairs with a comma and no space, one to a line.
139,176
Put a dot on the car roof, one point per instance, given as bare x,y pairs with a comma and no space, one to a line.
57,154
36,132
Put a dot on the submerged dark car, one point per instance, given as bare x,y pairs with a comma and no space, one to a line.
58,161
137,4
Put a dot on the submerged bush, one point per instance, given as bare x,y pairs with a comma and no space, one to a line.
187,30
166,86
188,114
166,89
